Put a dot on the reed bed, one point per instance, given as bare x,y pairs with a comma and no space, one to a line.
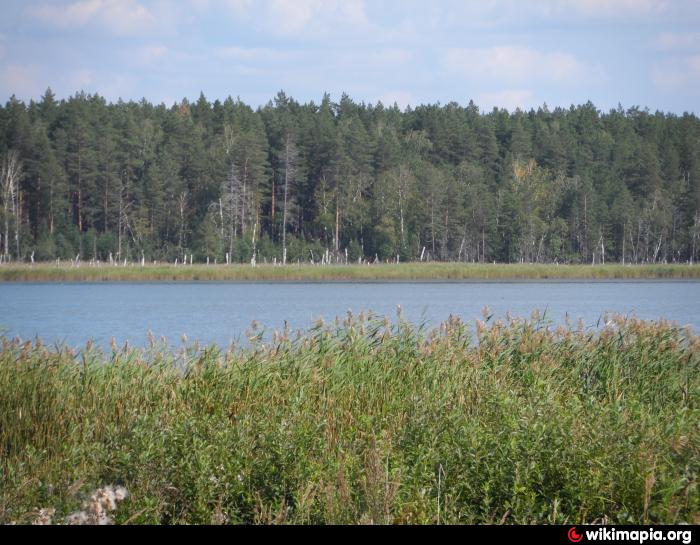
362,421
87,272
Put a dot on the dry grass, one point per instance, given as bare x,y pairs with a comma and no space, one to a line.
305,272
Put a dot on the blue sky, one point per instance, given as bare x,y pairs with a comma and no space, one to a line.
506,53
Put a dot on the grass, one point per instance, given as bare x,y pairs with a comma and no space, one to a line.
363,421
316,273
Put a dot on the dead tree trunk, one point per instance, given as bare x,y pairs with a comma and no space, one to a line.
290,159
337,225
10,175
181,235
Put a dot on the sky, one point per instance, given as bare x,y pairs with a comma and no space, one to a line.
504,53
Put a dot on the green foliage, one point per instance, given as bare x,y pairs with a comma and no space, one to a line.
384,239
363,422
570,185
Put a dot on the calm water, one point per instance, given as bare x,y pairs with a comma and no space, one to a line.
221,313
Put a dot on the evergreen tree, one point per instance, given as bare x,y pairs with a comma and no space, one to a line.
309,181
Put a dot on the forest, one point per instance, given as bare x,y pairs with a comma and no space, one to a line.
346,182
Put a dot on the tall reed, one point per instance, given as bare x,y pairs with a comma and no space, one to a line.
363,421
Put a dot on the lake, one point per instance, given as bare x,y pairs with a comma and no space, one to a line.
222,312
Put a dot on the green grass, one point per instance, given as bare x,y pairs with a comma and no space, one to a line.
306,272
364,422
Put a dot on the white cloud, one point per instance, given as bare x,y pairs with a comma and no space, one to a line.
20,80
80,79
679,75
493,14
510,99
292,17
254,54
117,86
199,5
514,65
295,17
150,53
617,8
677,40
29,81
238,7
117,16
390,56
402,99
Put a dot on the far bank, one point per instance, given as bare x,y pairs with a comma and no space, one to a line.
87,272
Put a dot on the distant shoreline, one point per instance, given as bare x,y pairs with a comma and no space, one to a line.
381,273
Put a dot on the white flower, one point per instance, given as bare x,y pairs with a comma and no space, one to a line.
44,517
102,501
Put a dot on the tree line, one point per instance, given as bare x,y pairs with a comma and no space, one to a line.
222,182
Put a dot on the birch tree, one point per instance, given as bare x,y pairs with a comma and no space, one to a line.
182,226
234,205
403,182
10,175
290,158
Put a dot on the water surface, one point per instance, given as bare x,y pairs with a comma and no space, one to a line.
222,312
